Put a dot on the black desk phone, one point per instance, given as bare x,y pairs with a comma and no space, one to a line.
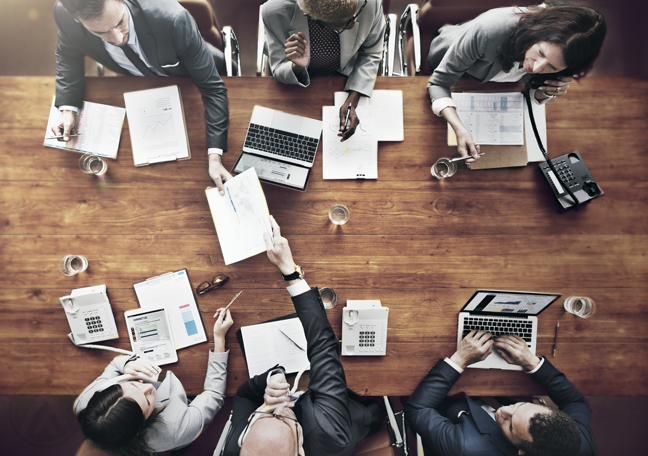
571,173
568,176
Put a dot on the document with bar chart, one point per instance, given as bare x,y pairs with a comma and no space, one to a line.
157,125
173,292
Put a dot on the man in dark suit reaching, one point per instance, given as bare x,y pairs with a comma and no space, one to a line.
326,420
138,38
462,427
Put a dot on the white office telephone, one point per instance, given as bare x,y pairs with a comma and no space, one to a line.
89,314
364,328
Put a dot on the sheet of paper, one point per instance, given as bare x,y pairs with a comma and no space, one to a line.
491,118
533,151
266,346
355,158
100,128
387,112
241,216
156,124
173,292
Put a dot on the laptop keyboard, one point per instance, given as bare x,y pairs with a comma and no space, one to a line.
499,326
281,143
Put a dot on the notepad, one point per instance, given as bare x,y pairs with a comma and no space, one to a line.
280,342
173,292
157,126
99,127
241,216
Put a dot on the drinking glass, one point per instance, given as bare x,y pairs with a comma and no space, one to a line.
444,168
329,297
339,214
580,306
72,264
91,164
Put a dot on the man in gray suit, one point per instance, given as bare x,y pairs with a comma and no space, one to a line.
138,38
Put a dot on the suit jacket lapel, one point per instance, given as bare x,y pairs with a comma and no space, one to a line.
144,35
348,40
487,425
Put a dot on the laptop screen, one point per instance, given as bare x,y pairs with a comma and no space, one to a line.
492,302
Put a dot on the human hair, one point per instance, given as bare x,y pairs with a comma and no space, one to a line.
553,434
579,31
114,423
327,10
85,9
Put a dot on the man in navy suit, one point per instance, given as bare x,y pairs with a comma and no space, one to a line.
463,427
155,38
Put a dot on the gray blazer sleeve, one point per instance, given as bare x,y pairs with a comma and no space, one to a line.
365,69
470,47
280,66
114,369
199,62
191,419
69,63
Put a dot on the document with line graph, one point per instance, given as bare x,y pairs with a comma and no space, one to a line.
241,216
355,158
157,125
173,292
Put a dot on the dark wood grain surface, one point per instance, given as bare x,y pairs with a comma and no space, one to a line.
419,245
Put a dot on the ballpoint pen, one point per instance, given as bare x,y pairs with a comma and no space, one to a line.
466,158
231,302
288,337
555,340
59,137
346,117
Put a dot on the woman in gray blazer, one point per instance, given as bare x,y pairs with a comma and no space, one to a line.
513,44
130,417
305,38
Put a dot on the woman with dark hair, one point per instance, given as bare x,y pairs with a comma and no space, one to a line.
509,45
126,413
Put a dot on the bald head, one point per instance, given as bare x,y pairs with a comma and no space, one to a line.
270,435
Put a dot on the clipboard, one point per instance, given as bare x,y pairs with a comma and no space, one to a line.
174,293
157,125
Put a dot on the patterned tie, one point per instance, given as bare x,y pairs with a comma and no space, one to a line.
324,49
135,60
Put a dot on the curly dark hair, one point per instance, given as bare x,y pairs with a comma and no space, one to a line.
85,9
116,424
579,31
553,434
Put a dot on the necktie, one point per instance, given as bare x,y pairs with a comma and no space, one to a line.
135,60
491,401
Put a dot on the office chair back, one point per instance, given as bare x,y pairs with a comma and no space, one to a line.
205,17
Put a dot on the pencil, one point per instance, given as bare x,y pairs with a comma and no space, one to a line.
231,302
553,355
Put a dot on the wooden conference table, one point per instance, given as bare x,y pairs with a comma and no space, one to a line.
419,245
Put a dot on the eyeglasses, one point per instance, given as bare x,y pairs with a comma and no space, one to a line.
258,414
355,16
216,282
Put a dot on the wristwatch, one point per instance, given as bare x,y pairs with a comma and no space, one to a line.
298,274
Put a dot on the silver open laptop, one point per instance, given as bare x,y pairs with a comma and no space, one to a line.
281,147
503,312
